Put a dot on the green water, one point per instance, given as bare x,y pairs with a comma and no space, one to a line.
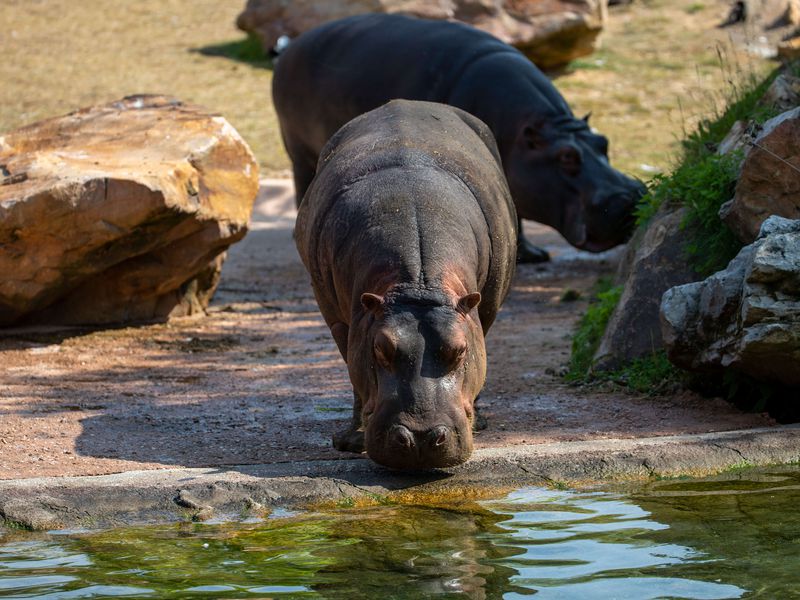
735,536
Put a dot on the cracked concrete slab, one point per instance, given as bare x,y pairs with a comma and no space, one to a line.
235,492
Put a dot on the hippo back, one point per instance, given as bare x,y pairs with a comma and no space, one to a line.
439,161
347,67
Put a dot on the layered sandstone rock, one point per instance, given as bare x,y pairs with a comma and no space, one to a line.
550,32
119,212
745,317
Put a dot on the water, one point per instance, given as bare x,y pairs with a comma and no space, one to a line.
735,536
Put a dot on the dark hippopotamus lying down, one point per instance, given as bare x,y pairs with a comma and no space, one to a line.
409,234
556,166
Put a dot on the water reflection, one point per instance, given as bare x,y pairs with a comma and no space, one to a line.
593,546
729,538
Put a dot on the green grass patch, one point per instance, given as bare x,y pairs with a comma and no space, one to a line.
591,328
247,50
651,374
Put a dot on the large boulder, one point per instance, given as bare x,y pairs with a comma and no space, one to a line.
550,32
769,182
655,261
745,317
120,212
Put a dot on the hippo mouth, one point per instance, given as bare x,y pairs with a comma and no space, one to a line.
403,448
594,237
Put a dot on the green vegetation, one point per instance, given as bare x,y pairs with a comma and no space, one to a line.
591,328
651,374
704,180
701,183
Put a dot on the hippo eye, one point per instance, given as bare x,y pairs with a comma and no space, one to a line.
381,358
455,356
384,350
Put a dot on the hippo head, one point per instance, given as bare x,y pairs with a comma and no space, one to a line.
426,365
559,175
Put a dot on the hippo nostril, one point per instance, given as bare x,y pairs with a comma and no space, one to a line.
401,437
438,436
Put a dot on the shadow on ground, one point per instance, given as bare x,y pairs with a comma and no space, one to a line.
247,50
259,380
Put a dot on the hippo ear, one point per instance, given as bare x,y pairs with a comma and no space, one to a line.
468,302
372,302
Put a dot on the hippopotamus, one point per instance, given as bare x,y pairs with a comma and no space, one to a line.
409,234
556,166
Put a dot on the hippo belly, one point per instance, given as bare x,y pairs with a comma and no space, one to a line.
556,167
409,234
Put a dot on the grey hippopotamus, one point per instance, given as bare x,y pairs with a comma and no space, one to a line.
409,234
556,166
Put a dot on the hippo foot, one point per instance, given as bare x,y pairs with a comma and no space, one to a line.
528,253
349,440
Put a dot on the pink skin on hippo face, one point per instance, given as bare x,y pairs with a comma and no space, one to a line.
425,365
559,174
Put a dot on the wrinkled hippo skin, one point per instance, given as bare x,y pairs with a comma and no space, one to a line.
408,232
556,167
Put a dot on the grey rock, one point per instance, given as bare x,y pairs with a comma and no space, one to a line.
655,261
745,317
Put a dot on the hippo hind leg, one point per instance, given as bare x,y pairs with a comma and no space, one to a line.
527,252
304,167
352,438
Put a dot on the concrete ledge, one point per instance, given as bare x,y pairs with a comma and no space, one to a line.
232,492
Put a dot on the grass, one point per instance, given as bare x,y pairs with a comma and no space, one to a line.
591,328
701,183
651,374
643,85
247,50
653,54
704,180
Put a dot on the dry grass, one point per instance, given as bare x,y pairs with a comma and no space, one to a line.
59,55
657,73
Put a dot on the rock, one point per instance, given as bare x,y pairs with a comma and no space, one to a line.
119,212
738,138
32,515
746,317
769,183
783,93
551,33
656,261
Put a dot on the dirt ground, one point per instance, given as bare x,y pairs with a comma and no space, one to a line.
259,379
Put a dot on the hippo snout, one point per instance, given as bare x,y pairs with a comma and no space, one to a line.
611,219
404,448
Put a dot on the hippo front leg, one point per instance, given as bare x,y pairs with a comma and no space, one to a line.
352,438
527,252
479,422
